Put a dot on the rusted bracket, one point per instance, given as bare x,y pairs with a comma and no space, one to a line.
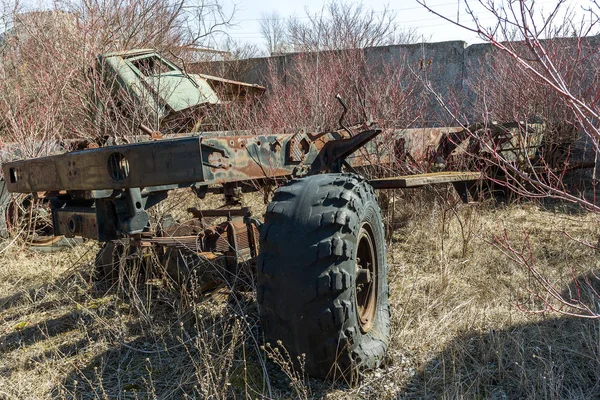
298,147
154,135
334,153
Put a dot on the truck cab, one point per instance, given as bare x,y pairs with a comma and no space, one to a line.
143,87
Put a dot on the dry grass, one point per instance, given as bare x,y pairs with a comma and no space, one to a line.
456,330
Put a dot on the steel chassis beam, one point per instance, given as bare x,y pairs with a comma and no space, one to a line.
104,193
165,164
419,180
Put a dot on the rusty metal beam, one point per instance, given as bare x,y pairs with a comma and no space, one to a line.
116,167
415,181
164,164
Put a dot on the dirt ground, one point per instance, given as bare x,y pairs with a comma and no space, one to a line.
463,318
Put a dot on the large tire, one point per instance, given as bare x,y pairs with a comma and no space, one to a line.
314,294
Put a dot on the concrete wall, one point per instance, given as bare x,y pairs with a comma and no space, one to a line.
441,63
445,70
453,69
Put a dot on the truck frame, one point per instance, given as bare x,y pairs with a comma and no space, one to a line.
318,256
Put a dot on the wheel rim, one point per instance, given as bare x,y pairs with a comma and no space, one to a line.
366,278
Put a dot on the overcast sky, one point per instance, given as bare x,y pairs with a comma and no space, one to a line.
409,14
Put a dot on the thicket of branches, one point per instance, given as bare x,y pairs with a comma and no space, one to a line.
329,59
45,59
303,95
539,74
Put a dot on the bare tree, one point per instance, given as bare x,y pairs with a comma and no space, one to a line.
205,20
273,30
342,25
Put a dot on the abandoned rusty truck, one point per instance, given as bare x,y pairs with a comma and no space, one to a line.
142,87
318,257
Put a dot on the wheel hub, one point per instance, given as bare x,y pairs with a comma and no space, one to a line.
366,278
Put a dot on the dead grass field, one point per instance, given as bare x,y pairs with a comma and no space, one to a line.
457,332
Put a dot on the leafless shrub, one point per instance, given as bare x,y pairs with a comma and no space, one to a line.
292,369
545,295
302,94
543,76
48,93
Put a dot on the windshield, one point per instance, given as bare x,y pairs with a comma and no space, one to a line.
150,66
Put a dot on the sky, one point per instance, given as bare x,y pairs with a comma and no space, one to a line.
410,14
